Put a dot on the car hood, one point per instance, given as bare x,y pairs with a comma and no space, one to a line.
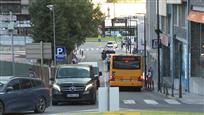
73,81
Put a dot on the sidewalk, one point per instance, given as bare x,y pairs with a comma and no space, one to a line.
187,97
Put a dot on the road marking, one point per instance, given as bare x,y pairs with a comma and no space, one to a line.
171,101
97,49
87,49
92,49
149,101
129,102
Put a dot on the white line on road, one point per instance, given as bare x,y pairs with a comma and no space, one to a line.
87,49
171,101
129,102
149,101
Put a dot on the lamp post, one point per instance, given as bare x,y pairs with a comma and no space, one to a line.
52,8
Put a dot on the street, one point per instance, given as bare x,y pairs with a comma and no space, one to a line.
129,99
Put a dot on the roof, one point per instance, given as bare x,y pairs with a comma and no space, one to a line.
94,64
126,55
13,77
74,65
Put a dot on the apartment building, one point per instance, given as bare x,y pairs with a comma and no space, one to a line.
19,9
182,42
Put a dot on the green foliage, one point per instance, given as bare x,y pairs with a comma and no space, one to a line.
74,20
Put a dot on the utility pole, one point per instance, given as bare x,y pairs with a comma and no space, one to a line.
130,35
52,8
159,45
145,53
10,29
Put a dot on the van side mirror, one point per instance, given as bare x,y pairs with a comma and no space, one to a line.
100,73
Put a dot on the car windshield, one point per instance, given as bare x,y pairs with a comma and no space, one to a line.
95,70
109,43
3,81
74,72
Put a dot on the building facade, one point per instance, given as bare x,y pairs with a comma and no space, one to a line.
182,54
19,9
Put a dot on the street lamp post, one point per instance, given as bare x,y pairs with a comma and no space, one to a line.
52,8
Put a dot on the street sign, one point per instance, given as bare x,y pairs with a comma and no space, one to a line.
60,53
38,51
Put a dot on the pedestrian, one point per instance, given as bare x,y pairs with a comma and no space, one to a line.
121,44
74,61
31,73
150,82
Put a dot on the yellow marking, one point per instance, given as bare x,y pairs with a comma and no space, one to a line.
121,113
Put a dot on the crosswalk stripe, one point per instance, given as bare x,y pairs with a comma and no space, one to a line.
129,102
149,101
87,49
171,101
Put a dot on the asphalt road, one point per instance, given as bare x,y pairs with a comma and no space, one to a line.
129,99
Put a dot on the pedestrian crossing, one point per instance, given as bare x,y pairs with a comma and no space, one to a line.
151,102
94,49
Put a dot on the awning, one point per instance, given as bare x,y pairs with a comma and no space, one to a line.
196,16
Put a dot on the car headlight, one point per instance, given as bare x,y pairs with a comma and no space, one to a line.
88,86
57,87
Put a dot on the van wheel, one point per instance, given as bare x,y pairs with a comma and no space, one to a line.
1,108
40,106
93,101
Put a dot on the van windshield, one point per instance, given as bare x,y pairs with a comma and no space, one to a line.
74,72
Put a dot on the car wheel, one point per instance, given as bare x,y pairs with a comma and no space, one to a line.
40,106
1,108
93,101
54,103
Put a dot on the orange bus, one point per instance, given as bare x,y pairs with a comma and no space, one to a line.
126,70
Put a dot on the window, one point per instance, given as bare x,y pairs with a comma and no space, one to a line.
175,15
181,15
74,72
37,83
126,62
14,84
25,83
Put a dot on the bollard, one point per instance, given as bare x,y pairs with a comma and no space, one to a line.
167,93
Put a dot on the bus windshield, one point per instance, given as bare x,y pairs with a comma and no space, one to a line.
126,62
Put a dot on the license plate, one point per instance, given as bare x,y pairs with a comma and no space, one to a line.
72,95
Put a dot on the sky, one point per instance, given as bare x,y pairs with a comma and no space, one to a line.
121,9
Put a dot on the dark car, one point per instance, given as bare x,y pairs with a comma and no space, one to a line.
20,94
74,82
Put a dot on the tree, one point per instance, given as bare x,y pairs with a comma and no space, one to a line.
75,20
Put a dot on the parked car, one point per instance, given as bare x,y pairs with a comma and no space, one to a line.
19,94
74,82
97,73
112,43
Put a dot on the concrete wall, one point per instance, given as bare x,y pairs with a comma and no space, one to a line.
197,85
21,69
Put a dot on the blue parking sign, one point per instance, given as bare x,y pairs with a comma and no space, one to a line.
60,53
